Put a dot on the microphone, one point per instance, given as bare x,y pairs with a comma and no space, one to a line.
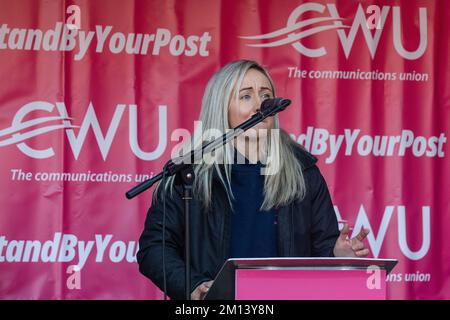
270,107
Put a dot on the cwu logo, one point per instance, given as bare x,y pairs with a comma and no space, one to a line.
22,130
296,30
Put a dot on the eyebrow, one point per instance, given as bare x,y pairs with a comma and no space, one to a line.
250,88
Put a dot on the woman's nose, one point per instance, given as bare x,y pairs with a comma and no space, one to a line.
257,104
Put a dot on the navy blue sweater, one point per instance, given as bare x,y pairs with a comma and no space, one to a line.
253,232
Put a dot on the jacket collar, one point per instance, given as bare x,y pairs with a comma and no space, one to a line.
306,159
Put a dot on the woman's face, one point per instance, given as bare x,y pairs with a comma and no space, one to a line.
254,90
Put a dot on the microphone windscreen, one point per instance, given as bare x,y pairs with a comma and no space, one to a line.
281,103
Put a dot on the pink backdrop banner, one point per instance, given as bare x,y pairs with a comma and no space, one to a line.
92,94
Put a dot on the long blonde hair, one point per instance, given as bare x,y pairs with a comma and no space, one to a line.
286,185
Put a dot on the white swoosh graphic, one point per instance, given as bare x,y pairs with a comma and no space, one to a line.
18,137
30,123
296,36
289,29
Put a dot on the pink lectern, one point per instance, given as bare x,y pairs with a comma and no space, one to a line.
302,279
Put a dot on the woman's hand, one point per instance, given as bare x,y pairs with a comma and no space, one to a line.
202,289
351,247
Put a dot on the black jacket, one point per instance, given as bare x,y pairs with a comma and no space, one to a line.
307,228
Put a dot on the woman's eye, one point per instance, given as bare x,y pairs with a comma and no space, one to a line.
245,97
266,96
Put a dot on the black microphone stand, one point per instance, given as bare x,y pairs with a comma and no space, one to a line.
182,168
